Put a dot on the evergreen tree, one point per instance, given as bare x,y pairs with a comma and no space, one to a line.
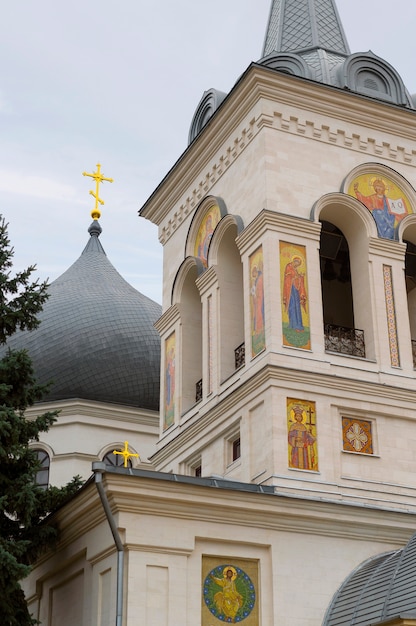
24,506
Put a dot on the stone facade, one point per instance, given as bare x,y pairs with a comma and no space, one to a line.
227,486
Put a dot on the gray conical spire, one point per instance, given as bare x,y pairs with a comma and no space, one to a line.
306,38
301,25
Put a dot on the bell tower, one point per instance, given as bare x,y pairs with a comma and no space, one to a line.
288,230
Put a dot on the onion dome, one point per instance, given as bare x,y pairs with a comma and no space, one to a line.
381,589
96,339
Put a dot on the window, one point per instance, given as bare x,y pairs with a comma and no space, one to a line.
42,475
236,449
232,444
115,460
198,471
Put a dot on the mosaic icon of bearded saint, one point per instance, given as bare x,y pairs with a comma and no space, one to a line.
228,601
387,212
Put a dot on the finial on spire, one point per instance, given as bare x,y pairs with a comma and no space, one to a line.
99,178
125,453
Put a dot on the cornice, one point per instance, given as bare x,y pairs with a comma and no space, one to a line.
193,503
82,514
279,222
207,279
249,389
260,99
103,411
168,319
145,547
387,248
290,513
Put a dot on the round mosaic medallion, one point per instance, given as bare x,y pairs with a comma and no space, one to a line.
229,594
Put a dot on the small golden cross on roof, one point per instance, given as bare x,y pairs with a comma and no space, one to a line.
99,178
125,453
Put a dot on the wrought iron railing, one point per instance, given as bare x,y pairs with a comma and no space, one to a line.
198,391
240,356
344,340
414,352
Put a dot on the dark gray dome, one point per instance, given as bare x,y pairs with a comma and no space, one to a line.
96,339
381,588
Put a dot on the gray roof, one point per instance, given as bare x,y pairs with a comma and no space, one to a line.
96,339
381,588
305,25
306,38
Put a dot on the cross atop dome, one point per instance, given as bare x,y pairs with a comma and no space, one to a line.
99,178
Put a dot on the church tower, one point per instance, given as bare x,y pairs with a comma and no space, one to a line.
282,489
289,234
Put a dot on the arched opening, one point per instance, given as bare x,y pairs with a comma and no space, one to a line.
191,361
340,329
410,275
336,277
231,304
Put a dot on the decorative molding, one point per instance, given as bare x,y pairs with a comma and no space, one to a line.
280,222
72,412
207,280
391,316
210,343
249,388
223,140
387,248
168,319
292,125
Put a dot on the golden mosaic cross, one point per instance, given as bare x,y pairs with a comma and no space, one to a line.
125,453
99,178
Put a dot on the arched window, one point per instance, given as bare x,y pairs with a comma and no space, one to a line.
115,460
42,475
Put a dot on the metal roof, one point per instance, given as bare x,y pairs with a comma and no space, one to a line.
96,339
305,25
381,588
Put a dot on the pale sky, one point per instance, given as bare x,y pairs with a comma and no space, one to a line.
118,82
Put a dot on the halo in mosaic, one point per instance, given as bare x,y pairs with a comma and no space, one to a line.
229,593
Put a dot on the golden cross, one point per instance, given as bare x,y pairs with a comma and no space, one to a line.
125,453
99,178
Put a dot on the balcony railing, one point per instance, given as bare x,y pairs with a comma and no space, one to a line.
198,391
240,356
344,340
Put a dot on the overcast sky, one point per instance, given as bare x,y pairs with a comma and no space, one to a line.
117,82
